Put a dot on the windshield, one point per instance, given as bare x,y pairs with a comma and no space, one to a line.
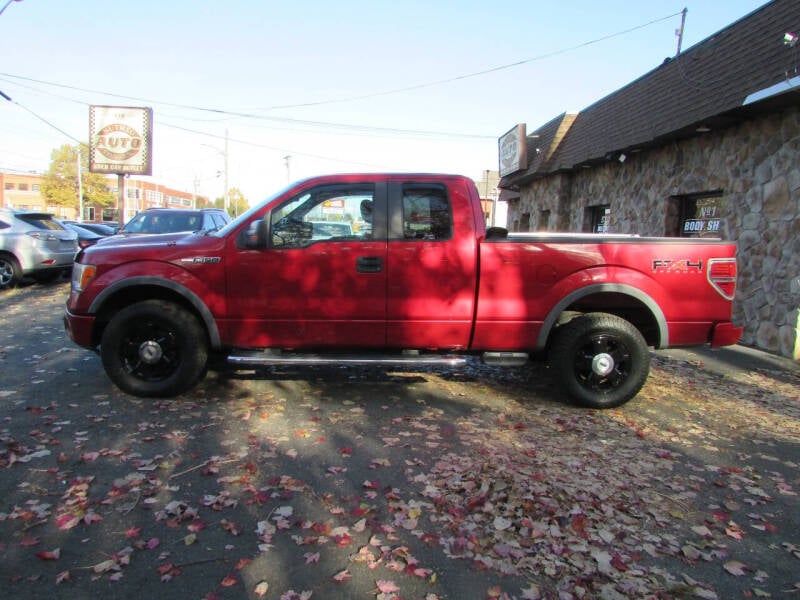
41,221
163,222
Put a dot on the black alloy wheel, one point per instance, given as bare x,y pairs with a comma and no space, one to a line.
601,360
154,348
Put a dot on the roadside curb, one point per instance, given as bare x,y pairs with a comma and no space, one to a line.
732,359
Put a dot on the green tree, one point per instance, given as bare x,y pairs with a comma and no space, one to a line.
203,202
60,183
237,203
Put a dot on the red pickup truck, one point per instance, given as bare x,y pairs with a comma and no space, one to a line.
415,278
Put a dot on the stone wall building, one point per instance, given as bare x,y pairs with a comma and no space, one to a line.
706,145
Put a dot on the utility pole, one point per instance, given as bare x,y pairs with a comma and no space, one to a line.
226,201
679,32
286,160
80,187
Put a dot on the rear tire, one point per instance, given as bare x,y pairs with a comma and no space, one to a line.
10,272
154,348
601,360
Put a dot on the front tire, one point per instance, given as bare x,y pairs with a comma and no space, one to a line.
601,360
154,348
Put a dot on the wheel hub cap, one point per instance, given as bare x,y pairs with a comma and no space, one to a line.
150,352
603,364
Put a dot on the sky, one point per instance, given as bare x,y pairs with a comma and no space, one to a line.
347,86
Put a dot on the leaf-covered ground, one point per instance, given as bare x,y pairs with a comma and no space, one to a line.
364,483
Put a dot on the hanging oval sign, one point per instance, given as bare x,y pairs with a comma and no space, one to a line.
118,142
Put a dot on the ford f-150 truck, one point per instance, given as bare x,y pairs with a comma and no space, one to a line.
416,278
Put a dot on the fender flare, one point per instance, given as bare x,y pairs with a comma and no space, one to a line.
192,298
619,288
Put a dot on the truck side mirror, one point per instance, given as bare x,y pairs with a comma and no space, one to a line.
254,236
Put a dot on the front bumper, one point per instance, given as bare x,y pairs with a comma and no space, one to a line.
80,328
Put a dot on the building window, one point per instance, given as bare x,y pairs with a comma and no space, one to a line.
525,222
110,214
35,187
9,186
23,187
597,219
700,215
544,220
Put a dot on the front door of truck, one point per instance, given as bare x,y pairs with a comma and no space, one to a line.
321,280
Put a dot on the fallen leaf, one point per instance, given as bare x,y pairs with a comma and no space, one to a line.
342,576
261,589
386,587
734,567
49,554
106,566
62,577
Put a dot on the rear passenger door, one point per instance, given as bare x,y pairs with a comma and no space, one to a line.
431,266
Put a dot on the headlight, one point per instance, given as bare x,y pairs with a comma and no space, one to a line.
81,276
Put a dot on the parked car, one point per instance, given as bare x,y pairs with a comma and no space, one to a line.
102,229
86,237
174,220
324,230
34,244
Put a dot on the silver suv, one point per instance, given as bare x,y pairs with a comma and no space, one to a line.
34,244
174,220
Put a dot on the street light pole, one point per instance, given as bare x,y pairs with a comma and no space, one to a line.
224,154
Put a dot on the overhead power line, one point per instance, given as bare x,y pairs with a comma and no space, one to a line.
251,115
476,73
42,119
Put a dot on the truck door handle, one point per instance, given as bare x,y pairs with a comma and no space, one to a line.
369,264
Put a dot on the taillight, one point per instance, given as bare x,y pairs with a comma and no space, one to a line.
722,276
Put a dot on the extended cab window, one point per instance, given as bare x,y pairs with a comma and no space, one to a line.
329,213
426,212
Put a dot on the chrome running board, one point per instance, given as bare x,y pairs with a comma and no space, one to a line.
275,358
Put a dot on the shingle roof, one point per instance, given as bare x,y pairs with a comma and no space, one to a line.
702,84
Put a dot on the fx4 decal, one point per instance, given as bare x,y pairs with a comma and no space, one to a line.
684,265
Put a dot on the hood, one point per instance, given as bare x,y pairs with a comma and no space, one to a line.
143,239
161,247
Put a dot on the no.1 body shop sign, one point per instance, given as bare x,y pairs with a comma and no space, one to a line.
121,140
